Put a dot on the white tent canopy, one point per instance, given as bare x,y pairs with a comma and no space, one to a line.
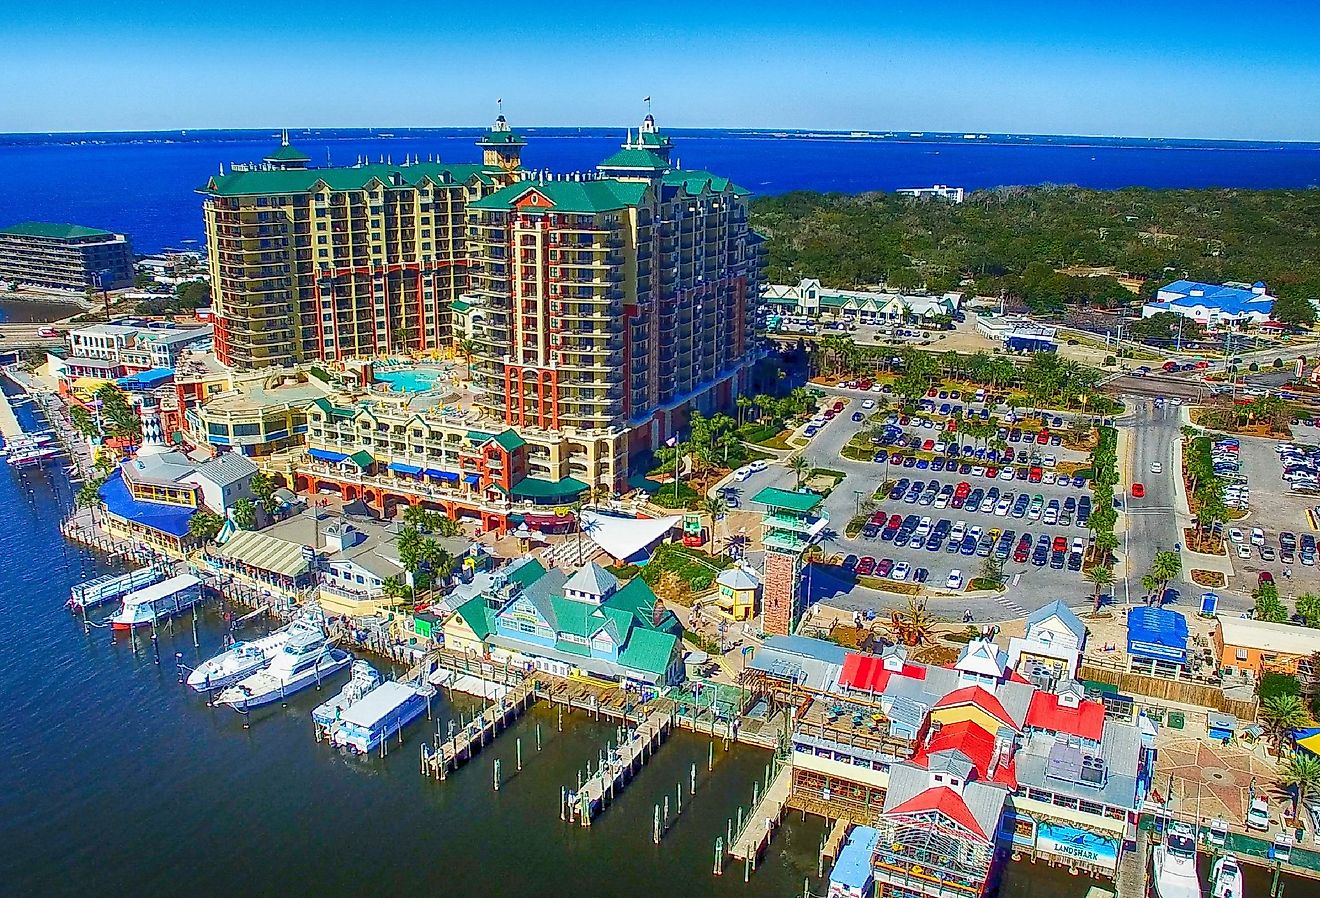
622,538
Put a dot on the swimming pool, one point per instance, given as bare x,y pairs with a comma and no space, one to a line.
409,380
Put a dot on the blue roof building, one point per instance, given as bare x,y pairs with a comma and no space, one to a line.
851,876
1157,641
1213,305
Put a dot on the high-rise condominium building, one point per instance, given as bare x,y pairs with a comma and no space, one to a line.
329,263
611,303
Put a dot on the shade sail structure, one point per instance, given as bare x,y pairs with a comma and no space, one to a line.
626,538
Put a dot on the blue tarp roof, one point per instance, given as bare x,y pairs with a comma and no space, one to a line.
147,380
853,868
171,519
1158,628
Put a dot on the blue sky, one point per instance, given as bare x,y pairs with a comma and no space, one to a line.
1156,68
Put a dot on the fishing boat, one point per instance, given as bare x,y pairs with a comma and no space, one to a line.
1226,878
111,588
363,679
379,714
243,658
1175,863
305,660
158,602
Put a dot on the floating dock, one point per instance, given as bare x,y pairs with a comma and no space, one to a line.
619,769
449,754
765,816
112,587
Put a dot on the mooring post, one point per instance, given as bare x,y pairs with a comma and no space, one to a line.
719,855
692,779
563,802
178,664
497,774
538,735
710,756
655,826
728,831
519,745
666,810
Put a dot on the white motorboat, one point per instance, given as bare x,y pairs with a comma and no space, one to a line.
307,659
1226,878
157,602
380,714
1175,864
363,679
243,658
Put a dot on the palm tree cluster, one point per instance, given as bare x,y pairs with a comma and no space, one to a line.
424,558
1270,412
427,520
1104,476
1204,486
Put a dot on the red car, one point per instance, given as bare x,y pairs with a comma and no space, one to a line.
961,491
992,472
865,566
1020,553
1265,577
928,445
1034,476
1202,365
1138,490
883,568
1042,438
838,406
895,521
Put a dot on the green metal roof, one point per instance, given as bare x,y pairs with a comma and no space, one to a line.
648,650
695,181
333,410
53,230
286,153
602,195
567,488
362,458
526,573
460,305
636,158
503,138
777,498
509,440
253,183
477,616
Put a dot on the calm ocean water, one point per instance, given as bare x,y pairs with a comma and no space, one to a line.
144,185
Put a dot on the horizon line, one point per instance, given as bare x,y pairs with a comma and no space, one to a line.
855,133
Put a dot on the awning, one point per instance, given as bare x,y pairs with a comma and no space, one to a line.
325,455
626,538
404,468
547,520
473,479
567,488
442,475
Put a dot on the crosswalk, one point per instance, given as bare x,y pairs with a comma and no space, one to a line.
1010,606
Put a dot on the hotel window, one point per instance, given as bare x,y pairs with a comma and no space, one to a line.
1242,654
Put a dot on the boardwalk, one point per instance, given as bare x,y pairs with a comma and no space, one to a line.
464,745
1132,868
621,766
763,819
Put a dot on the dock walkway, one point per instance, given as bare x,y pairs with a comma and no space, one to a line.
619,769
451,753
9,426
1131,879
764,817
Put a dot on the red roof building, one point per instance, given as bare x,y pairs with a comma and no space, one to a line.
867,673
940,800
981,698
1086,720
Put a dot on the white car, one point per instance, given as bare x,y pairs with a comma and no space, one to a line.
757,466
1007,474
958,532
900,571
955,580
1002,507
868,403
1244,551
1257,536
1234,535
1048,477
742,474
1047,462
1258,815
978,471
877,388
940,446
1156,468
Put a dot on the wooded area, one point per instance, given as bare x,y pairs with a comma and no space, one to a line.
1012,239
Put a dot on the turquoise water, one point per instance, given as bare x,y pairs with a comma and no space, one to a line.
409,380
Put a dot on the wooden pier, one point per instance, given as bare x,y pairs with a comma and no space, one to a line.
451,753
1132,869
619,768
765,816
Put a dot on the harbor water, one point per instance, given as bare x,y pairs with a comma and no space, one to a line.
117,780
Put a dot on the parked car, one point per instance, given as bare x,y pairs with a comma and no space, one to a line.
955,580
1258,814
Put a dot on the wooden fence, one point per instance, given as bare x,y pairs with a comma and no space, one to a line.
1200,695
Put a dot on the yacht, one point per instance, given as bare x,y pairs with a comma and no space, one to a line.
363,679
1226,878
243,658
305,660
1175,864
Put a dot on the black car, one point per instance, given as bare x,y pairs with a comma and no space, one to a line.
1040,556
870,531
1057,560
1074,561
920,575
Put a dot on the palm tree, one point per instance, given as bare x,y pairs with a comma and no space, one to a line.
1099,576
1282,714
205,525
394,588
1166,566
1301,773
1150,584
1105,543
467,347
743,403
800,468
714,506
244,514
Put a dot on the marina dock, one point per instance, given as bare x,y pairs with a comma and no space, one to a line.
1131,878
452,752
619,769
764,818
9,427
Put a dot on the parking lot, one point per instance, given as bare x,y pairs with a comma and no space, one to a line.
1274,509
948,519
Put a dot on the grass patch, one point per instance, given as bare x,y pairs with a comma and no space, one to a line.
901,587
979,583
1211,579
778,441
686,496
691,565
855,526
